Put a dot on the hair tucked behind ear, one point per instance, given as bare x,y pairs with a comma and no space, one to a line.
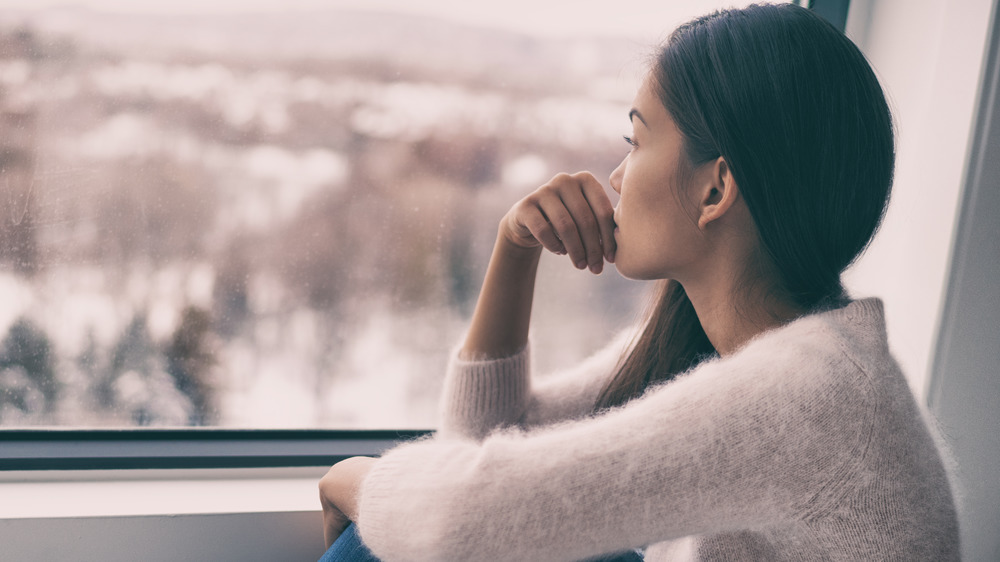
800,118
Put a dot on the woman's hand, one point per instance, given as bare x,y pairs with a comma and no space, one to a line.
571,214
338,494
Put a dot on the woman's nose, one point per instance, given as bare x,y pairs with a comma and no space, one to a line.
616,176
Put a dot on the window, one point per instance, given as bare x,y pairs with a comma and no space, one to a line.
278,216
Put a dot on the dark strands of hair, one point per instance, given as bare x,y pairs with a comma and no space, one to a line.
801,120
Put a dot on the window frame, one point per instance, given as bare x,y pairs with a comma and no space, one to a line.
834,11
113,449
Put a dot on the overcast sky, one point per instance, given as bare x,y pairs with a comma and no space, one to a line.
645,20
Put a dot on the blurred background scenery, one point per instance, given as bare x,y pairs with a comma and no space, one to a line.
282,218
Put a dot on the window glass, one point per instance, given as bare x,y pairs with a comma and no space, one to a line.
278,214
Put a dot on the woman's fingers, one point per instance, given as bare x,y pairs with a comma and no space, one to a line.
563,222
539,228
593,215
571,214
604,213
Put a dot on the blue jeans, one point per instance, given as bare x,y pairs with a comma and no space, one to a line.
627,556
349,548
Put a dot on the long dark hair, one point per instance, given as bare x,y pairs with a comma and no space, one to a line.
799,117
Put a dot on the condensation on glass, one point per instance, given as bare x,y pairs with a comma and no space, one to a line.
280,219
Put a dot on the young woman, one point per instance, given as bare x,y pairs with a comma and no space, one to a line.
758,415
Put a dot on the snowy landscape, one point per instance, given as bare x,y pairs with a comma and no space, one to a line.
279,221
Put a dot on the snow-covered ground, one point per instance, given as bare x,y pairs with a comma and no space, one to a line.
289,244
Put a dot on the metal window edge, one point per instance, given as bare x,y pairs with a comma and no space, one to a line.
81,449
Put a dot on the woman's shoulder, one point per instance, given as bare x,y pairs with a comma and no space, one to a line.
830,369
829,342
858,323
831,362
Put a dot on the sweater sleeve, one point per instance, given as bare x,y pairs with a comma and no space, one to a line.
740,443
483,395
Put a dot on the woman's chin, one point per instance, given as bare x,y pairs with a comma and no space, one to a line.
625,269
634,271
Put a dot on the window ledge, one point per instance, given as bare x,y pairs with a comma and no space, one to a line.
57,494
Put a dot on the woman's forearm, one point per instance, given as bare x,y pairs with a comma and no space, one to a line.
570,215
503,313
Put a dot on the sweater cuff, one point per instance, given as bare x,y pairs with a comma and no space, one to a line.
375,505
481,395
392,527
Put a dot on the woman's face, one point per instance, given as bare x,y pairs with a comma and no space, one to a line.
657,232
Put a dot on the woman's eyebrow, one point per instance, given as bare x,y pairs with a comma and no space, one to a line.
635,113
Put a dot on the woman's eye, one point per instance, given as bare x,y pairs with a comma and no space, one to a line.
629,140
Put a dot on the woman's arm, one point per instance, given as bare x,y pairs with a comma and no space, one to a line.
735,445
338,494
500,322
480,396
571,214
487,385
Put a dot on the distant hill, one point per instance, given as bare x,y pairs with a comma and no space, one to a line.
338,35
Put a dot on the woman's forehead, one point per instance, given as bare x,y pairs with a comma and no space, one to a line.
647,103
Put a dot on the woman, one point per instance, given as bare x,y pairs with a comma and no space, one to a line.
759,413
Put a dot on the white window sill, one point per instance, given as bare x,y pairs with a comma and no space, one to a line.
242,515
57,494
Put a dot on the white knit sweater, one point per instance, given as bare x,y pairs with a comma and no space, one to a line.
804,445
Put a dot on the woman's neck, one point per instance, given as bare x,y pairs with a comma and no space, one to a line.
733,287
732,316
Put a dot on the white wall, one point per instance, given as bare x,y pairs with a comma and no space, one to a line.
213,515
964,389
236,537
928,54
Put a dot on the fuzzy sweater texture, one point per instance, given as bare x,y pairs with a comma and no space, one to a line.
806,444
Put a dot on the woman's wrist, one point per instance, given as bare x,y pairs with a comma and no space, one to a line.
500,323
510,248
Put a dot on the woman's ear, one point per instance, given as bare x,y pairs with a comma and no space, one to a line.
719,193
